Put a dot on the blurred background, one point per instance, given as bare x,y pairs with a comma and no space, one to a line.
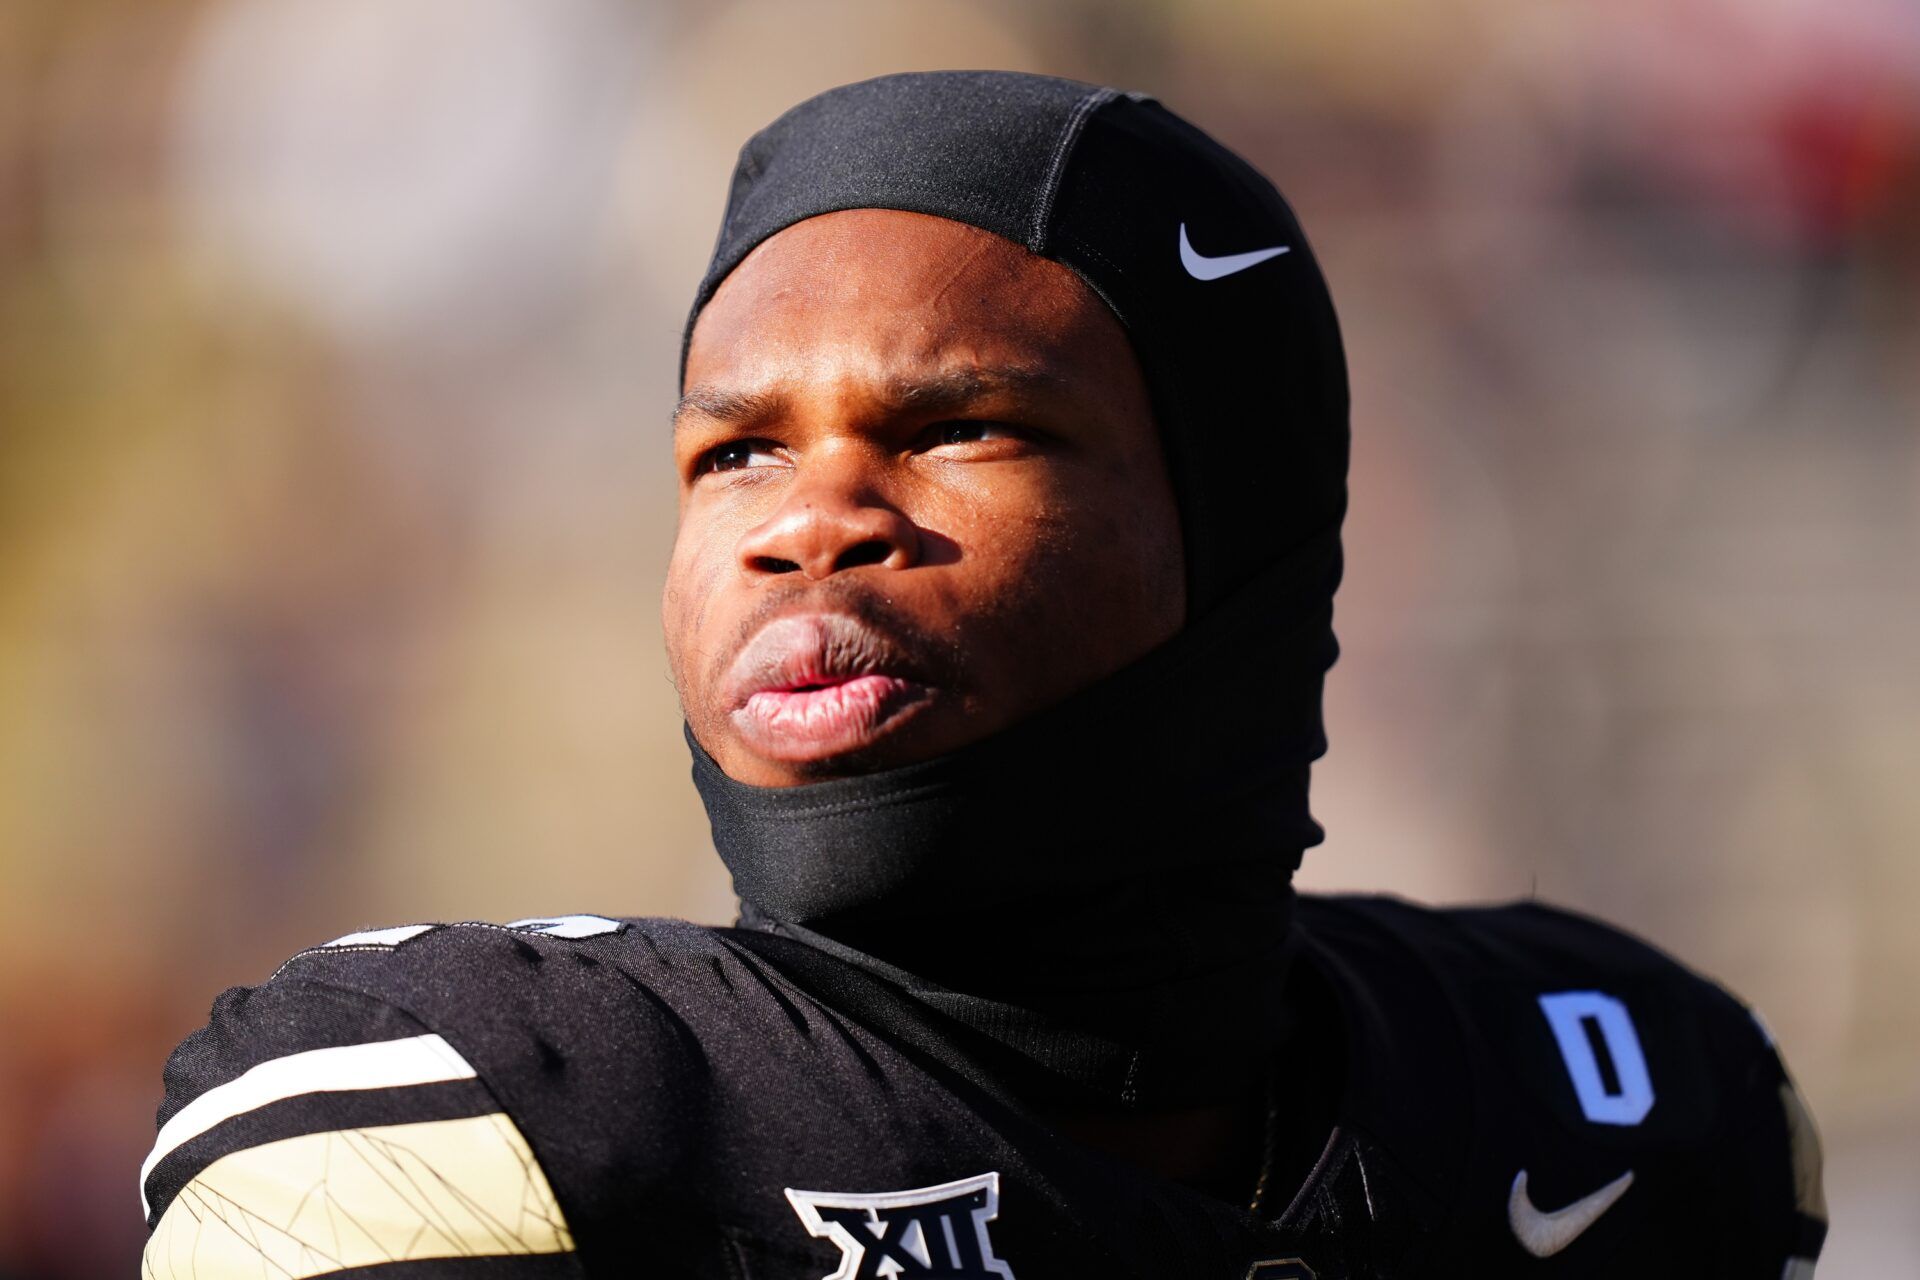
337,345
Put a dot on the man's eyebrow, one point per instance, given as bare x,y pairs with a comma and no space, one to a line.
957,387
725,406
929,393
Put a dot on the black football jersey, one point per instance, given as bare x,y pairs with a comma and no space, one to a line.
1526,1093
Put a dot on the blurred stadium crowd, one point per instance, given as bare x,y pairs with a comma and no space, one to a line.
337,345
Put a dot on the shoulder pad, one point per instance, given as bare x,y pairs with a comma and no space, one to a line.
302,1106
1599,1056
419,1082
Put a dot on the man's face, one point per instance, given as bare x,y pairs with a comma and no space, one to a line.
921,498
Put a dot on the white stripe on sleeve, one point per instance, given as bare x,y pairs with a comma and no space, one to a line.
383,1064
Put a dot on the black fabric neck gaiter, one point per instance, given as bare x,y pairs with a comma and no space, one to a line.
1104,888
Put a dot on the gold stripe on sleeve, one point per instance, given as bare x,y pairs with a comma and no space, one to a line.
322,1202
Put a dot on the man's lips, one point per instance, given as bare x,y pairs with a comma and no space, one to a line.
814,686
811,724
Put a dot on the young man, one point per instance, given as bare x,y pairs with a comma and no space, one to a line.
1012,455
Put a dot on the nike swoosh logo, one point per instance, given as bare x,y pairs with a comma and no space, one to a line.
1204,268
1545,1234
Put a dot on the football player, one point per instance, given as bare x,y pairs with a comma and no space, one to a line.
1012,456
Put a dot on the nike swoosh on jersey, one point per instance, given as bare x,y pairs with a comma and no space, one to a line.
1201,267
1545,1234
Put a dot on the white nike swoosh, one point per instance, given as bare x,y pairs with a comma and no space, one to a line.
1545,1234
1202,268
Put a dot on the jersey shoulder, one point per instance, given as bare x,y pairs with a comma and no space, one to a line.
1593,1055
450,1090
1526,942
1528,967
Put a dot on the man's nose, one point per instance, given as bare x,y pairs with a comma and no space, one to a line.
828,524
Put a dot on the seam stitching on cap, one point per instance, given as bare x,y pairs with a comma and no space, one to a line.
1088,250
1057,166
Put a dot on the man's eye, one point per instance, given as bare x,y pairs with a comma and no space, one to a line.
968,431
738,455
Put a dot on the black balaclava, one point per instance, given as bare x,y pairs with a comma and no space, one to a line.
1104,888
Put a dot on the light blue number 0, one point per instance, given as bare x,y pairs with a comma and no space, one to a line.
1587,1025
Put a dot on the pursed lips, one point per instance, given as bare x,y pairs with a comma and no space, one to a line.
810,686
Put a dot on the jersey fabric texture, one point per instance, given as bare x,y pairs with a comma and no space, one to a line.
1527,1093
